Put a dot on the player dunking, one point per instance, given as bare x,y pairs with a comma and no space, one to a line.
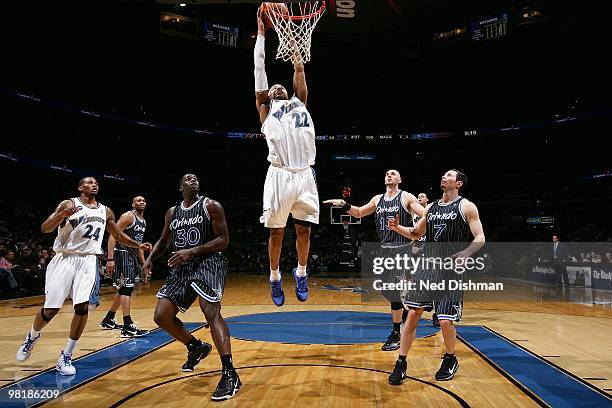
393,203
122,265
196,231
417,246
452,219
80,224
290,186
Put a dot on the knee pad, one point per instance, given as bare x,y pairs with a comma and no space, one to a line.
81,310
397,306
125,291
43,316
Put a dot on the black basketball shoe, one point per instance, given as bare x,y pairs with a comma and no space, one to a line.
448,369
110,324
399,372
228,385
194,356
393,342
131,330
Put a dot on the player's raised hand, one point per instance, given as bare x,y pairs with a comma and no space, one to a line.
393,223
336,202
179,257
261,27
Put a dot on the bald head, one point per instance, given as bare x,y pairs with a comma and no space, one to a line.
392,177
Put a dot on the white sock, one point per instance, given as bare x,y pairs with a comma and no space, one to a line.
70,345
301,271
275,275
34,333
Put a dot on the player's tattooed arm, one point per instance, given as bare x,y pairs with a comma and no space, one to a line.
414,233
218,243
64,210
123,239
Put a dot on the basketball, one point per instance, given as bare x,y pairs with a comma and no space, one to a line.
280,9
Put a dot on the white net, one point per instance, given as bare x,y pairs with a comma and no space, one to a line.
294,24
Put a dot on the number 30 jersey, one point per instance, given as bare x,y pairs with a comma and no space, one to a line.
290,134
190,227
83,231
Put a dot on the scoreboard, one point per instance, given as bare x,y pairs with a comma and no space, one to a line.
490,28
220,34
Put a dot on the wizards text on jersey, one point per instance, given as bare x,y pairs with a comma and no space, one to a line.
287,108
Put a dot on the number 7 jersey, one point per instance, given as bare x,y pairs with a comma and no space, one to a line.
290,134
83,231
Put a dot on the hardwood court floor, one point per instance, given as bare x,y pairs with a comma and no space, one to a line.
317,375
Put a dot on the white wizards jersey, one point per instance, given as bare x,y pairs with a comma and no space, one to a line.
290,134
82,232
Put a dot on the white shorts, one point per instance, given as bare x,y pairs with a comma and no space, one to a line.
289,192
73,275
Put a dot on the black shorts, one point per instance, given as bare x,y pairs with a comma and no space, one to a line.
447,304
126,268
204,277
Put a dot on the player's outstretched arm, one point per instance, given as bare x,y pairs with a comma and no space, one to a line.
65,209
261,80
218,243
299,81
126,219
357,212
123,239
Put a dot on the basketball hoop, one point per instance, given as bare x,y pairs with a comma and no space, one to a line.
294,24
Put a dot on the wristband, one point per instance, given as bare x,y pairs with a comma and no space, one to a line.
346,207
112,259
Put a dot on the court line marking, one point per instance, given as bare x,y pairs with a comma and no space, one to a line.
41,371
568,373
125,399
504,374
518,383
94,377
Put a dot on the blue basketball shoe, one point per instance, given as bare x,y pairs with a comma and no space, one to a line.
301,286
278,296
